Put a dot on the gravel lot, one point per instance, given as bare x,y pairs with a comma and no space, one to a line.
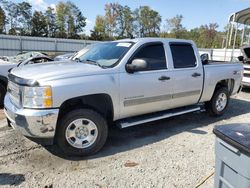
176,152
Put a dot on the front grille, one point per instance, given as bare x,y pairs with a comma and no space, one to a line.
247,68
246,75
15,93
246,71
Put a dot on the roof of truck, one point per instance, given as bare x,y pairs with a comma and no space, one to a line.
148,39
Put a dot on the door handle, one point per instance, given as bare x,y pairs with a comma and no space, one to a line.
196,74
162,78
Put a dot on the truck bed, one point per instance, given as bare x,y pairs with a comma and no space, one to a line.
220,70
211,62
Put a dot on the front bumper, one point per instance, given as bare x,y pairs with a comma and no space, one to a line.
245,84
33,123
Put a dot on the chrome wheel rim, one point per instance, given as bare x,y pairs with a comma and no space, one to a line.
81,133
221,102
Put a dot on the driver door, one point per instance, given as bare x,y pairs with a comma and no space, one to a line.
148,90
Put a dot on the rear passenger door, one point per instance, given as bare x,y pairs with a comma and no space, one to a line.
149,90
188,74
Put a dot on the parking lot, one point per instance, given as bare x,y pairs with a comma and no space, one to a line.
176,152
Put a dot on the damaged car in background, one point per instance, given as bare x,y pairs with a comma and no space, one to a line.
6,66
31,58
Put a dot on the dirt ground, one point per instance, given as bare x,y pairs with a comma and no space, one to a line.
176,152
2,116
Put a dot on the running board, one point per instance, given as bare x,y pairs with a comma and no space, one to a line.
157,116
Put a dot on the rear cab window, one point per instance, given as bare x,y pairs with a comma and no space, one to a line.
183,55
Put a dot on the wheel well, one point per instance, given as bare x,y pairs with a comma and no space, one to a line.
228,83
3,81
101,103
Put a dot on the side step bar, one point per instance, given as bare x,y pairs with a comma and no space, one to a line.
157,116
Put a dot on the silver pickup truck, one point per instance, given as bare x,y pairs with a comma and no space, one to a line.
126,82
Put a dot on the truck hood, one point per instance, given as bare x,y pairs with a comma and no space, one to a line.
56,70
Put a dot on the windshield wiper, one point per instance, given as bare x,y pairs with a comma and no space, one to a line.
93,62
76,59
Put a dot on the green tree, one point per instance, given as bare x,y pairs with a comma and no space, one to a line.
70,20
11,10
111,14
116,23
174,26
194,34
18,17
50,17
2,20
125,22
61,16
38,23
76,21
24,18
148,22
12,31
99,31
208,35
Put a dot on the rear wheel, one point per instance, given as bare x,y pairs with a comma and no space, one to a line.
219,102
2,94
82,132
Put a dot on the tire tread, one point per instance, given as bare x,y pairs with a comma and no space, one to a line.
84,113
210,105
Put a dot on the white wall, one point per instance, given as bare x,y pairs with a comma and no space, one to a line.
222,54
11,45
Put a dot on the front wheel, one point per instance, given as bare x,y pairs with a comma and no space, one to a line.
219,102
81,132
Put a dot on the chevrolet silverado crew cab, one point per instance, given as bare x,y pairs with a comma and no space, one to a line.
126,82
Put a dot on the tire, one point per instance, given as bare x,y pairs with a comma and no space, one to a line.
2,94
212,106
69,130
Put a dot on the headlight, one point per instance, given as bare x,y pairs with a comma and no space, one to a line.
37,97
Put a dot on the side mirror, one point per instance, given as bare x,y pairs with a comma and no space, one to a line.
136,65
241,58
204,59
205,62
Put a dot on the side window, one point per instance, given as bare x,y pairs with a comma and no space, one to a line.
154,55
40,60
30,62
183,56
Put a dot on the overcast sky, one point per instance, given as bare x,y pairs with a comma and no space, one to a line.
195,12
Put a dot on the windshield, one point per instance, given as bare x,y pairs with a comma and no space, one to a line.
105,54
78,54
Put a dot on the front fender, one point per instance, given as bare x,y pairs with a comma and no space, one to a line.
65,89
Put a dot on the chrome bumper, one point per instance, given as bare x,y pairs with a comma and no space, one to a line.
31,122
245,82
